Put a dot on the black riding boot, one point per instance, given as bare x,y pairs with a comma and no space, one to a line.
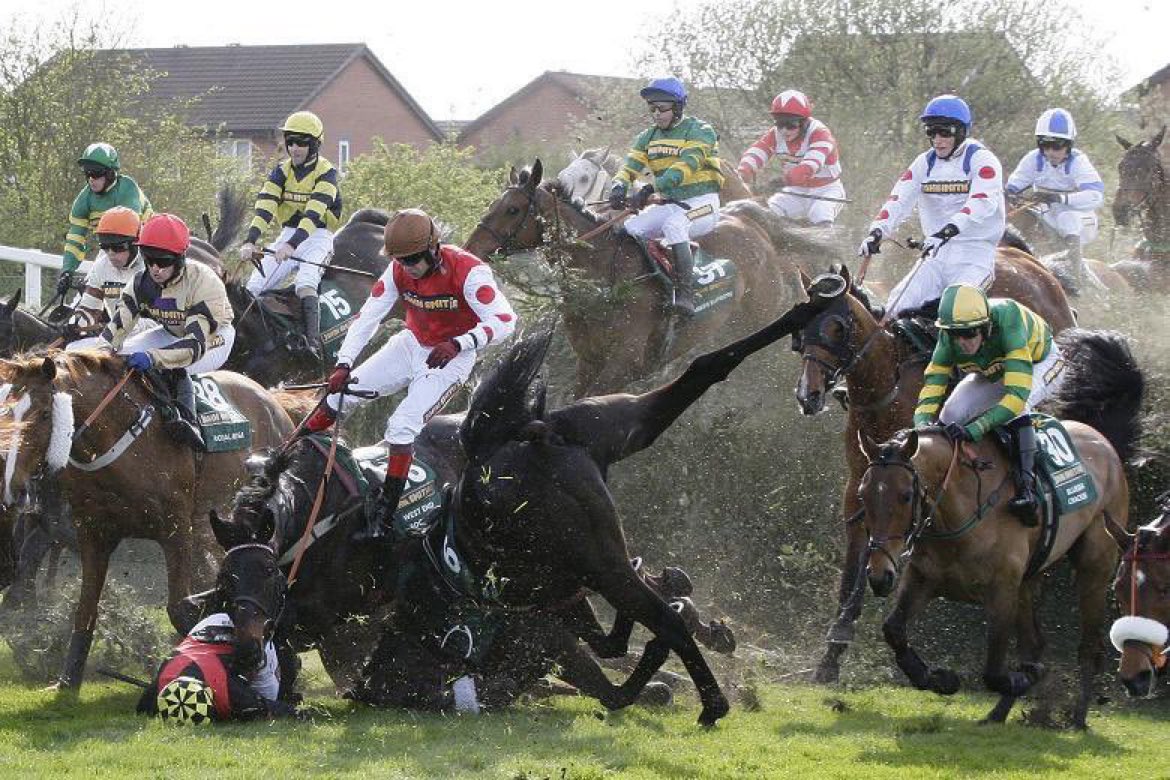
1076,262
380,518
183,426
1024,443
684,281
311,318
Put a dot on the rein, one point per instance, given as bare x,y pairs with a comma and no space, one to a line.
1157,656
103,404
319,499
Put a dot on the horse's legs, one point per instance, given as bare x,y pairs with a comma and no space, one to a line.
1095,561
177,551
1002,608
912,596
851,591
581,619
581,671
94,550
1029,638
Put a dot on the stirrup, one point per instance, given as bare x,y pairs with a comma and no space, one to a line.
377,527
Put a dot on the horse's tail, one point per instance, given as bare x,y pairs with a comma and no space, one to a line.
1103,386
506,399
1012,237
233,208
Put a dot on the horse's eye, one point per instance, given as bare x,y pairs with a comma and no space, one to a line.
513,210
906,496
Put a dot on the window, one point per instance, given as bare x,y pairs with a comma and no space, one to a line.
240,149
342,156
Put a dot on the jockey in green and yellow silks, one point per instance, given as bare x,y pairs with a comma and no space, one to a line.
1009,363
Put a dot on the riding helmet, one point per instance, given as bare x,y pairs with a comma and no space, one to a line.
409,232
963,306
165,234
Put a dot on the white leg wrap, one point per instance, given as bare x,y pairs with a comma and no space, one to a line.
1139,629
61,438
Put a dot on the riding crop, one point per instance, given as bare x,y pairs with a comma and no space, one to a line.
341,268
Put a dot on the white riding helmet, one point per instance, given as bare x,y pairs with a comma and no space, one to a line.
1056,123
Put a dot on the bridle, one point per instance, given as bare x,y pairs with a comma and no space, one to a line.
530,212
272,610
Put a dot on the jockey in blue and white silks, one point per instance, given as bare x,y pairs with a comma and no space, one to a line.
1064,183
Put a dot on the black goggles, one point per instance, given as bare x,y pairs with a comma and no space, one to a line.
416,258
966,333
788,122
159,257
946,131
298,140
116,246
96,173
1044,142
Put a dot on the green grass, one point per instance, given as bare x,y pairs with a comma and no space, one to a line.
796,731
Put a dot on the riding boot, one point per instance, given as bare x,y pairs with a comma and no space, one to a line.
684,281
1076,263
183,426
311,318
380,518
1024,445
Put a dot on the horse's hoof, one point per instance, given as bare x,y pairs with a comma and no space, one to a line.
655,694
722,638
943,681
675,583
712,713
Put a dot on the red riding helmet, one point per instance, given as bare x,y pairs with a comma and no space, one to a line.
793,102
166,232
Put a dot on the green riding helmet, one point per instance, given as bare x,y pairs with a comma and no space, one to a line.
963,306
100,154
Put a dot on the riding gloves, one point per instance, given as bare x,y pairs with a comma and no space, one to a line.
642,197
339,378
140,361
872,244
1051,198
443,353
617,197
957,432
64,283
931,244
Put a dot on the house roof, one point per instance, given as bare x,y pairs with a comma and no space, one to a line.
253,88
1153,80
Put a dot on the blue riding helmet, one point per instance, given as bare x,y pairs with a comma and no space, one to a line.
665,90
947,107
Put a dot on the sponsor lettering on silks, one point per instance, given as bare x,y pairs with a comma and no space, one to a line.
946,187
669,150
166,312
431,303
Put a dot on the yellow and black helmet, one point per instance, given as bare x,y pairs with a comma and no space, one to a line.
186,700
963,306
304,123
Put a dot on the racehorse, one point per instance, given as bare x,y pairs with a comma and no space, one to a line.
626,332
1142,192
883,375
1140,588
589,174
937,517
1102,278
122,476
263,350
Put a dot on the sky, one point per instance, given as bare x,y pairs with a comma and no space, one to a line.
458,59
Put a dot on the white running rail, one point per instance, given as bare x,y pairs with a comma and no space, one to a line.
34,261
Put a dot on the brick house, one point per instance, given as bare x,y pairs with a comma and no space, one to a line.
1152,99
247,91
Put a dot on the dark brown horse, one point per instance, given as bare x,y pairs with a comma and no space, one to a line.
626,331
1140,588
122,476
883,375
1142,192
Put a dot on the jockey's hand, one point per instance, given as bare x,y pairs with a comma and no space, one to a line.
642,197
64,283
339,378
248,252
931,244
70,331
1051,198
747,174
140,361
617,197
443,353
872,244
957,432
283,252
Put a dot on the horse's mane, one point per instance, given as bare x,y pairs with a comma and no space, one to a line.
554,188
505,401
233,209
374,216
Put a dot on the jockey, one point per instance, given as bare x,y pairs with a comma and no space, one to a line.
958,188
114,268
1064,181
453,310
202,664
810,161
105,189
1010,363
193,331
682,153
302,194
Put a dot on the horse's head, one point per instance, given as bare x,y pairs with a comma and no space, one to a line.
833,340
893,499
1142,590
36,426
585,176
1140,177
251,586
8,325
515,220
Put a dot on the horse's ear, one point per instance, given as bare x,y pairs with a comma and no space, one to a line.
805,282
1157,141
14,301
1123,538
48,369
226,532
868,446
909,446
513,176
1124,143
537,174
846,276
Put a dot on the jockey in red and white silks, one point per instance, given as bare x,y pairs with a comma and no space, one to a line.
958,188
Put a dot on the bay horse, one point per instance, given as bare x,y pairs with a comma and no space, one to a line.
883,375
262,349
1140,588
588,177
122,476
1142,192
622,330
938,524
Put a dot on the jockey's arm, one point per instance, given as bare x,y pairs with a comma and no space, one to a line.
986,194
758,154
820,148
635,163
1090,190
125,315
77,237
1023,176
320,202
1017,381
267,201
497,320
383,296
902,199
936,378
